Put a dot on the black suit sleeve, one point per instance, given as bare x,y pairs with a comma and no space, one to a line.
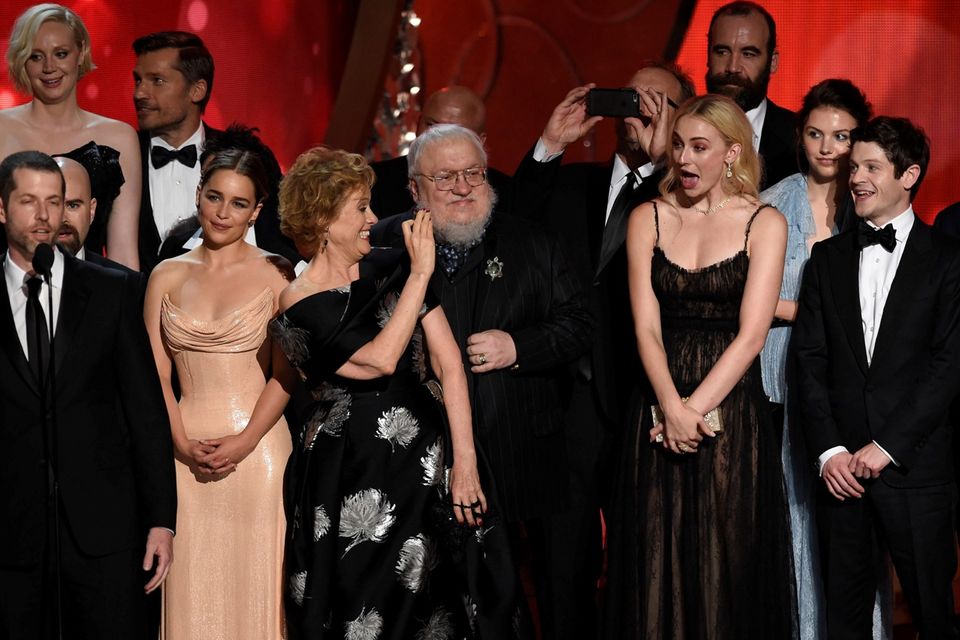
811,351
145,413
567,331
533,183
925,408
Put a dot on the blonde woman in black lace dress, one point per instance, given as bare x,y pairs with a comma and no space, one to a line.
700,538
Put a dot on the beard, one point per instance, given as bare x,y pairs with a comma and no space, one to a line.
747,93
70,242
464,234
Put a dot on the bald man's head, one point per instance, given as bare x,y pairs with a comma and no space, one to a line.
79,207
454,105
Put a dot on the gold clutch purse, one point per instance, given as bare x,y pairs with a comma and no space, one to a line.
713,418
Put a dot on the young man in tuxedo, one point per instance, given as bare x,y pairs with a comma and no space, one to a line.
877,345
114,456
173,81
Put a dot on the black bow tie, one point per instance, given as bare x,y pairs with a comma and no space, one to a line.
867,235
161,156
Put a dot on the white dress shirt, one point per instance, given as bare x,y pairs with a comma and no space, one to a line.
756,116
620,171
878,267
173,187
17,295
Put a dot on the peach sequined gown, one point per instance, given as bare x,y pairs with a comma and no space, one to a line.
225,583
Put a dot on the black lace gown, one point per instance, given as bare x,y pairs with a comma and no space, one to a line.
700,543
367,555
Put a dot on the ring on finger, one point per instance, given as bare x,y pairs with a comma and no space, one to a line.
482,358
684,448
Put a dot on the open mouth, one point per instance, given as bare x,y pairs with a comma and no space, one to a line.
688,180
365,235
861,194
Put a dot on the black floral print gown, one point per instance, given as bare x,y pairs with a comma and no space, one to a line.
365,475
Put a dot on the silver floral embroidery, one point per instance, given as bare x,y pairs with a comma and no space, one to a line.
330,416
432,464
293,340
388,304
366,626
321,522
298,585
438,627
398,427
418,557
366,515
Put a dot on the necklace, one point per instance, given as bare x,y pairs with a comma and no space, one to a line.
714,208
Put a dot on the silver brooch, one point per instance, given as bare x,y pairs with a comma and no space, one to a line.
494,268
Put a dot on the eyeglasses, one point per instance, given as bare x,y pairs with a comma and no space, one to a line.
447,180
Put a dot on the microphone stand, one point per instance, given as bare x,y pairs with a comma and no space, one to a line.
48,390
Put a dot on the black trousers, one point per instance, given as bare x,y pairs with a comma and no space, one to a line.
916,526
568,546
102,596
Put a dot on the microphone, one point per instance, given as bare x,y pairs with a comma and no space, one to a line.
43,260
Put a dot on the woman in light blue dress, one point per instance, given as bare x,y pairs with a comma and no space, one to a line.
817,204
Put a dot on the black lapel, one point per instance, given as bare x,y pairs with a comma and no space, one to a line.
73,305
10,343
596,204
482,310
844,270
914,262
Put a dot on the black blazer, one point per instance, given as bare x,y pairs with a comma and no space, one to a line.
576,211
901,400
116,454
517,412
778,145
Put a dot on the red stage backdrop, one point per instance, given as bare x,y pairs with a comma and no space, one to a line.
278,63
523,55
905,56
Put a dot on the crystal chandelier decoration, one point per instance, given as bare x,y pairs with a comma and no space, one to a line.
395,125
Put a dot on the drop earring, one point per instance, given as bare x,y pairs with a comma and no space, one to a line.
729,170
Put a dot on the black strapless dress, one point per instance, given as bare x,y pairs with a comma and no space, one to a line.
106,178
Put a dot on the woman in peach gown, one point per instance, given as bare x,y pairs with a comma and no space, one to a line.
207,314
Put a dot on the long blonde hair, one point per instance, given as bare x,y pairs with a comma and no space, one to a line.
728,119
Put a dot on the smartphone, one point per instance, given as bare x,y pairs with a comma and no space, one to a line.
616,103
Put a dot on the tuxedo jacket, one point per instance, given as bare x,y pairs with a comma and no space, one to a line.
267,225
901,399
517,411
576,211
778,145
115,451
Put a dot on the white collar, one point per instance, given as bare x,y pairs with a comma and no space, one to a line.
621,170
16,276
902,224
198,138
756,116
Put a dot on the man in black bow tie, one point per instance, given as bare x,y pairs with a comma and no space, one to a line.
877,343
173,78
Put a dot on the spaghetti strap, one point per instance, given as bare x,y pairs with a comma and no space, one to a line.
656,221
746,235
